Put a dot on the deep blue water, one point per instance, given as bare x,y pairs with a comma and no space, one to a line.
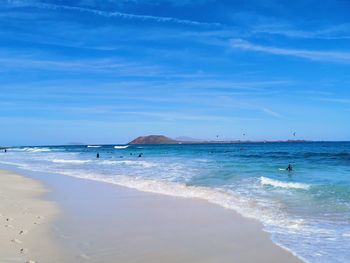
306,210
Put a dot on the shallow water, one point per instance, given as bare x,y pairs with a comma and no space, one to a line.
306,210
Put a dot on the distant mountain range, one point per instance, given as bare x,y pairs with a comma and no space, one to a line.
161,139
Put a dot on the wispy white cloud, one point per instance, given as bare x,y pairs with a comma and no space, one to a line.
150,95
235,103
332,56
112,14
336,100
341,31
115,66
178,116
270,112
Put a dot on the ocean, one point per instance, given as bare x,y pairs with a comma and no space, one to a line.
307,210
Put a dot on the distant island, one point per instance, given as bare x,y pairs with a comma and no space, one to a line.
161,139
153,139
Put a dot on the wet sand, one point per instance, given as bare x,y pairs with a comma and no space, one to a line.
101,223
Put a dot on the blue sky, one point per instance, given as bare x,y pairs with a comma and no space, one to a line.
105,71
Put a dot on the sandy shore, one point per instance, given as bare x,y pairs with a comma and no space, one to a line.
25,220
101,223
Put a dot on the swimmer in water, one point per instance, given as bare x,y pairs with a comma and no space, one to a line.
289,168
97,155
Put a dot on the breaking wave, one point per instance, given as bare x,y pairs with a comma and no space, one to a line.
70,161
289,185
121,146
31,149
144,164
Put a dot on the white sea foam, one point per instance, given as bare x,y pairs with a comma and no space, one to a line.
347,234
144,164
70,161
32,149
17,164
227,199
121,146
94,146
224,198
168,179
276,183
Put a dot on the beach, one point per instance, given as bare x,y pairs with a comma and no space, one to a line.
87,221
173,131
26,220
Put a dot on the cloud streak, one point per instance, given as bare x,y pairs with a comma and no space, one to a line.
341,31
270,112
159,19
331,56
179,116
336,100
113,66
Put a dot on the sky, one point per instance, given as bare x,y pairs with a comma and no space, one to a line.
106,71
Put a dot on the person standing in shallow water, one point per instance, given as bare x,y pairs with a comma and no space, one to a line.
98,155
289,168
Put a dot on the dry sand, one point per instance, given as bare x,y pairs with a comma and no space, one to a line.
24,220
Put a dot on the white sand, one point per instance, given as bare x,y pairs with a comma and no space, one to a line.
103,223
25,218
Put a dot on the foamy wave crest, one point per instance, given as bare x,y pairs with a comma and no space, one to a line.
130,163
32,149
276,183
70,161
121,146
94,146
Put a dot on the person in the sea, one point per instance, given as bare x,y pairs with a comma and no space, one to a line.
140,155
5,150
98,155
289,168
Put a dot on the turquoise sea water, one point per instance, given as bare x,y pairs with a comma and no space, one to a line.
306,211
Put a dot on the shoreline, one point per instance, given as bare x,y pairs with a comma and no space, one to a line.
122,224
